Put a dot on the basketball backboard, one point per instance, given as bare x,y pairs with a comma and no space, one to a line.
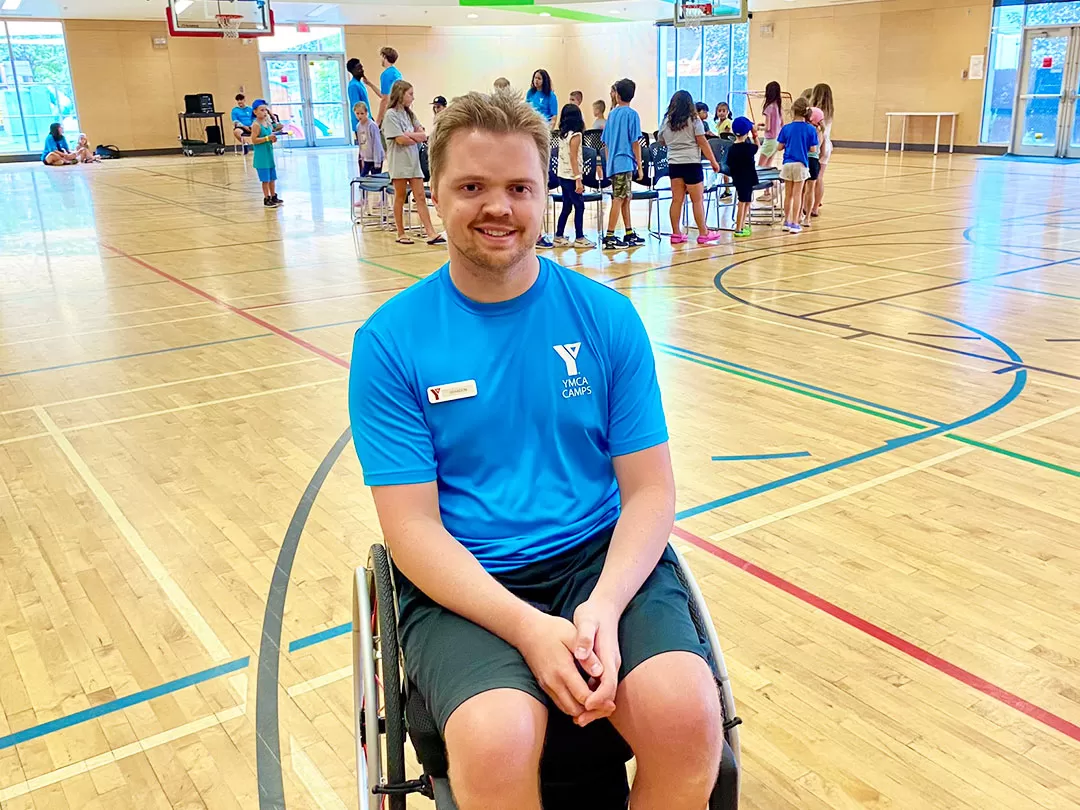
693,13
205,18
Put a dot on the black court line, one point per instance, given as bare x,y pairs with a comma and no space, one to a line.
267,741
1063,340
951,337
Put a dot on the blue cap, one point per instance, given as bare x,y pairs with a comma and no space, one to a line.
259,102
742,125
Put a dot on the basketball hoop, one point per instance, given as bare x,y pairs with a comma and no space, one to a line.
229,24
694,14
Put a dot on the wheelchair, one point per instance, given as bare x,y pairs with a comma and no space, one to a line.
580,769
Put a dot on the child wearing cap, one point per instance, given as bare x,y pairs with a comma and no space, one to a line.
262,148
438,104
741,161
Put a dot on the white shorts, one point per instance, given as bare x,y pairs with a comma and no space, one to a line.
796,172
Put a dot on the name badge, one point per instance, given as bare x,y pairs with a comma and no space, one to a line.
451,391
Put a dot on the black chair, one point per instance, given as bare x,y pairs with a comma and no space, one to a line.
643,140
720,182
658,165
594,139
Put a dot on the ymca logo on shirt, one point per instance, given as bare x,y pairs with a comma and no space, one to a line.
575,384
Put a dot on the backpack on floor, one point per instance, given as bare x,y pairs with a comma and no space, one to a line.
108,151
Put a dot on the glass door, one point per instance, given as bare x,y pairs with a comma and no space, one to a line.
1045,112
307,93
326,81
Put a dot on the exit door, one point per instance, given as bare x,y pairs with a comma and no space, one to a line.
307,92
1046,117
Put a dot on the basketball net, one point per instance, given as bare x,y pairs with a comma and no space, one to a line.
693,14
229,25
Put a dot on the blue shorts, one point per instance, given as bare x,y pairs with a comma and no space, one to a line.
267,175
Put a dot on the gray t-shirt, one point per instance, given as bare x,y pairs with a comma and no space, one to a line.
682,146
403,162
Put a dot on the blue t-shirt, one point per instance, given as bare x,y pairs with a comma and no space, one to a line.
243,115
387,79
515,409
357,92
53,145
797,138
544,103
622,129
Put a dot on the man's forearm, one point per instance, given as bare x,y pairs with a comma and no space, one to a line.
442,568
640,537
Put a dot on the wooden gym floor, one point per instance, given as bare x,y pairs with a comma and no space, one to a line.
874,424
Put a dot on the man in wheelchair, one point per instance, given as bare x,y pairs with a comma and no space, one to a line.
508,419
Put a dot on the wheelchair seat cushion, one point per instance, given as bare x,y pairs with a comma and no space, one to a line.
451,659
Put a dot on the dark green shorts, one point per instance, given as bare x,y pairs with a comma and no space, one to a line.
450,659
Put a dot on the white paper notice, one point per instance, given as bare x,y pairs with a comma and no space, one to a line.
976,66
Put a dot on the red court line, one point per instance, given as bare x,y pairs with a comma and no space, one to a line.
277,330
322,298
918,653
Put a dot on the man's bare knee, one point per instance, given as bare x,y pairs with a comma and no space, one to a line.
494,742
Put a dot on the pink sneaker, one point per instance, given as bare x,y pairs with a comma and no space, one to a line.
679,238
710,238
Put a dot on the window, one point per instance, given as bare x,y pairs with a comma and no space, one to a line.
35,85
287,39
1006,40
709,62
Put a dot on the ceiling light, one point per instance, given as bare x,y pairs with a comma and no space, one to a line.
178,8
11,5
472,16
544,14
318,11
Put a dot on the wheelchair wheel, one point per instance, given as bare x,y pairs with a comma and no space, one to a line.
388,668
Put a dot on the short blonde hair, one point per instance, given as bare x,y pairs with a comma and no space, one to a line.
502,83
502,113
360,106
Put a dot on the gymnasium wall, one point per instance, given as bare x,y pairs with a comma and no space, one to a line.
452,61
898,55
128,93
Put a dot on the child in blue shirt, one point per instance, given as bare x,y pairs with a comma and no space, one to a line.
799,140
622,159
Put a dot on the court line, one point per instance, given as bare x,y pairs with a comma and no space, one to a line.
318,682
1039,292
60,723
183,606
323,298
320,636
277,330
312,778
763,456
118,754
904,646
112,329
103,317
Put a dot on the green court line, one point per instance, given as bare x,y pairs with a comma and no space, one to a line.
870,411
1019,456
390,269
793,389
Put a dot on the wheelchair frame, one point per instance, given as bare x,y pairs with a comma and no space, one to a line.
372,781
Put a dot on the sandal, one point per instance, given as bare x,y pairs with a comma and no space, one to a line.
438,240
405,240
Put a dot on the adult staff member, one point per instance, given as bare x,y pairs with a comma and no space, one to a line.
508,420
56,151
388,57
541,96
242,115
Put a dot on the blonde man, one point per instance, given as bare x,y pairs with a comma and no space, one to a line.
508,420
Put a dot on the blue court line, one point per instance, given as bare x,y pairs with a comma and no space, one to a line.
327,325
321,636
763,456
125,702
801,384
1039,292
136,354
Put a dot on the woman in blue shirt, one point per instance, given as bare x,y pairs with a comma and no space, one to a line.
540,96
57,152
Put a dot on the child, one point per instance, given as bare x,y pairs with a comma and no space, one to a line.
702,110
740,161
262,143
798,139
774,119
370,141
815,117
577,98
404,135
570,170
84,153
722,118
683,133
598,110
623,160
822,98
502,84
